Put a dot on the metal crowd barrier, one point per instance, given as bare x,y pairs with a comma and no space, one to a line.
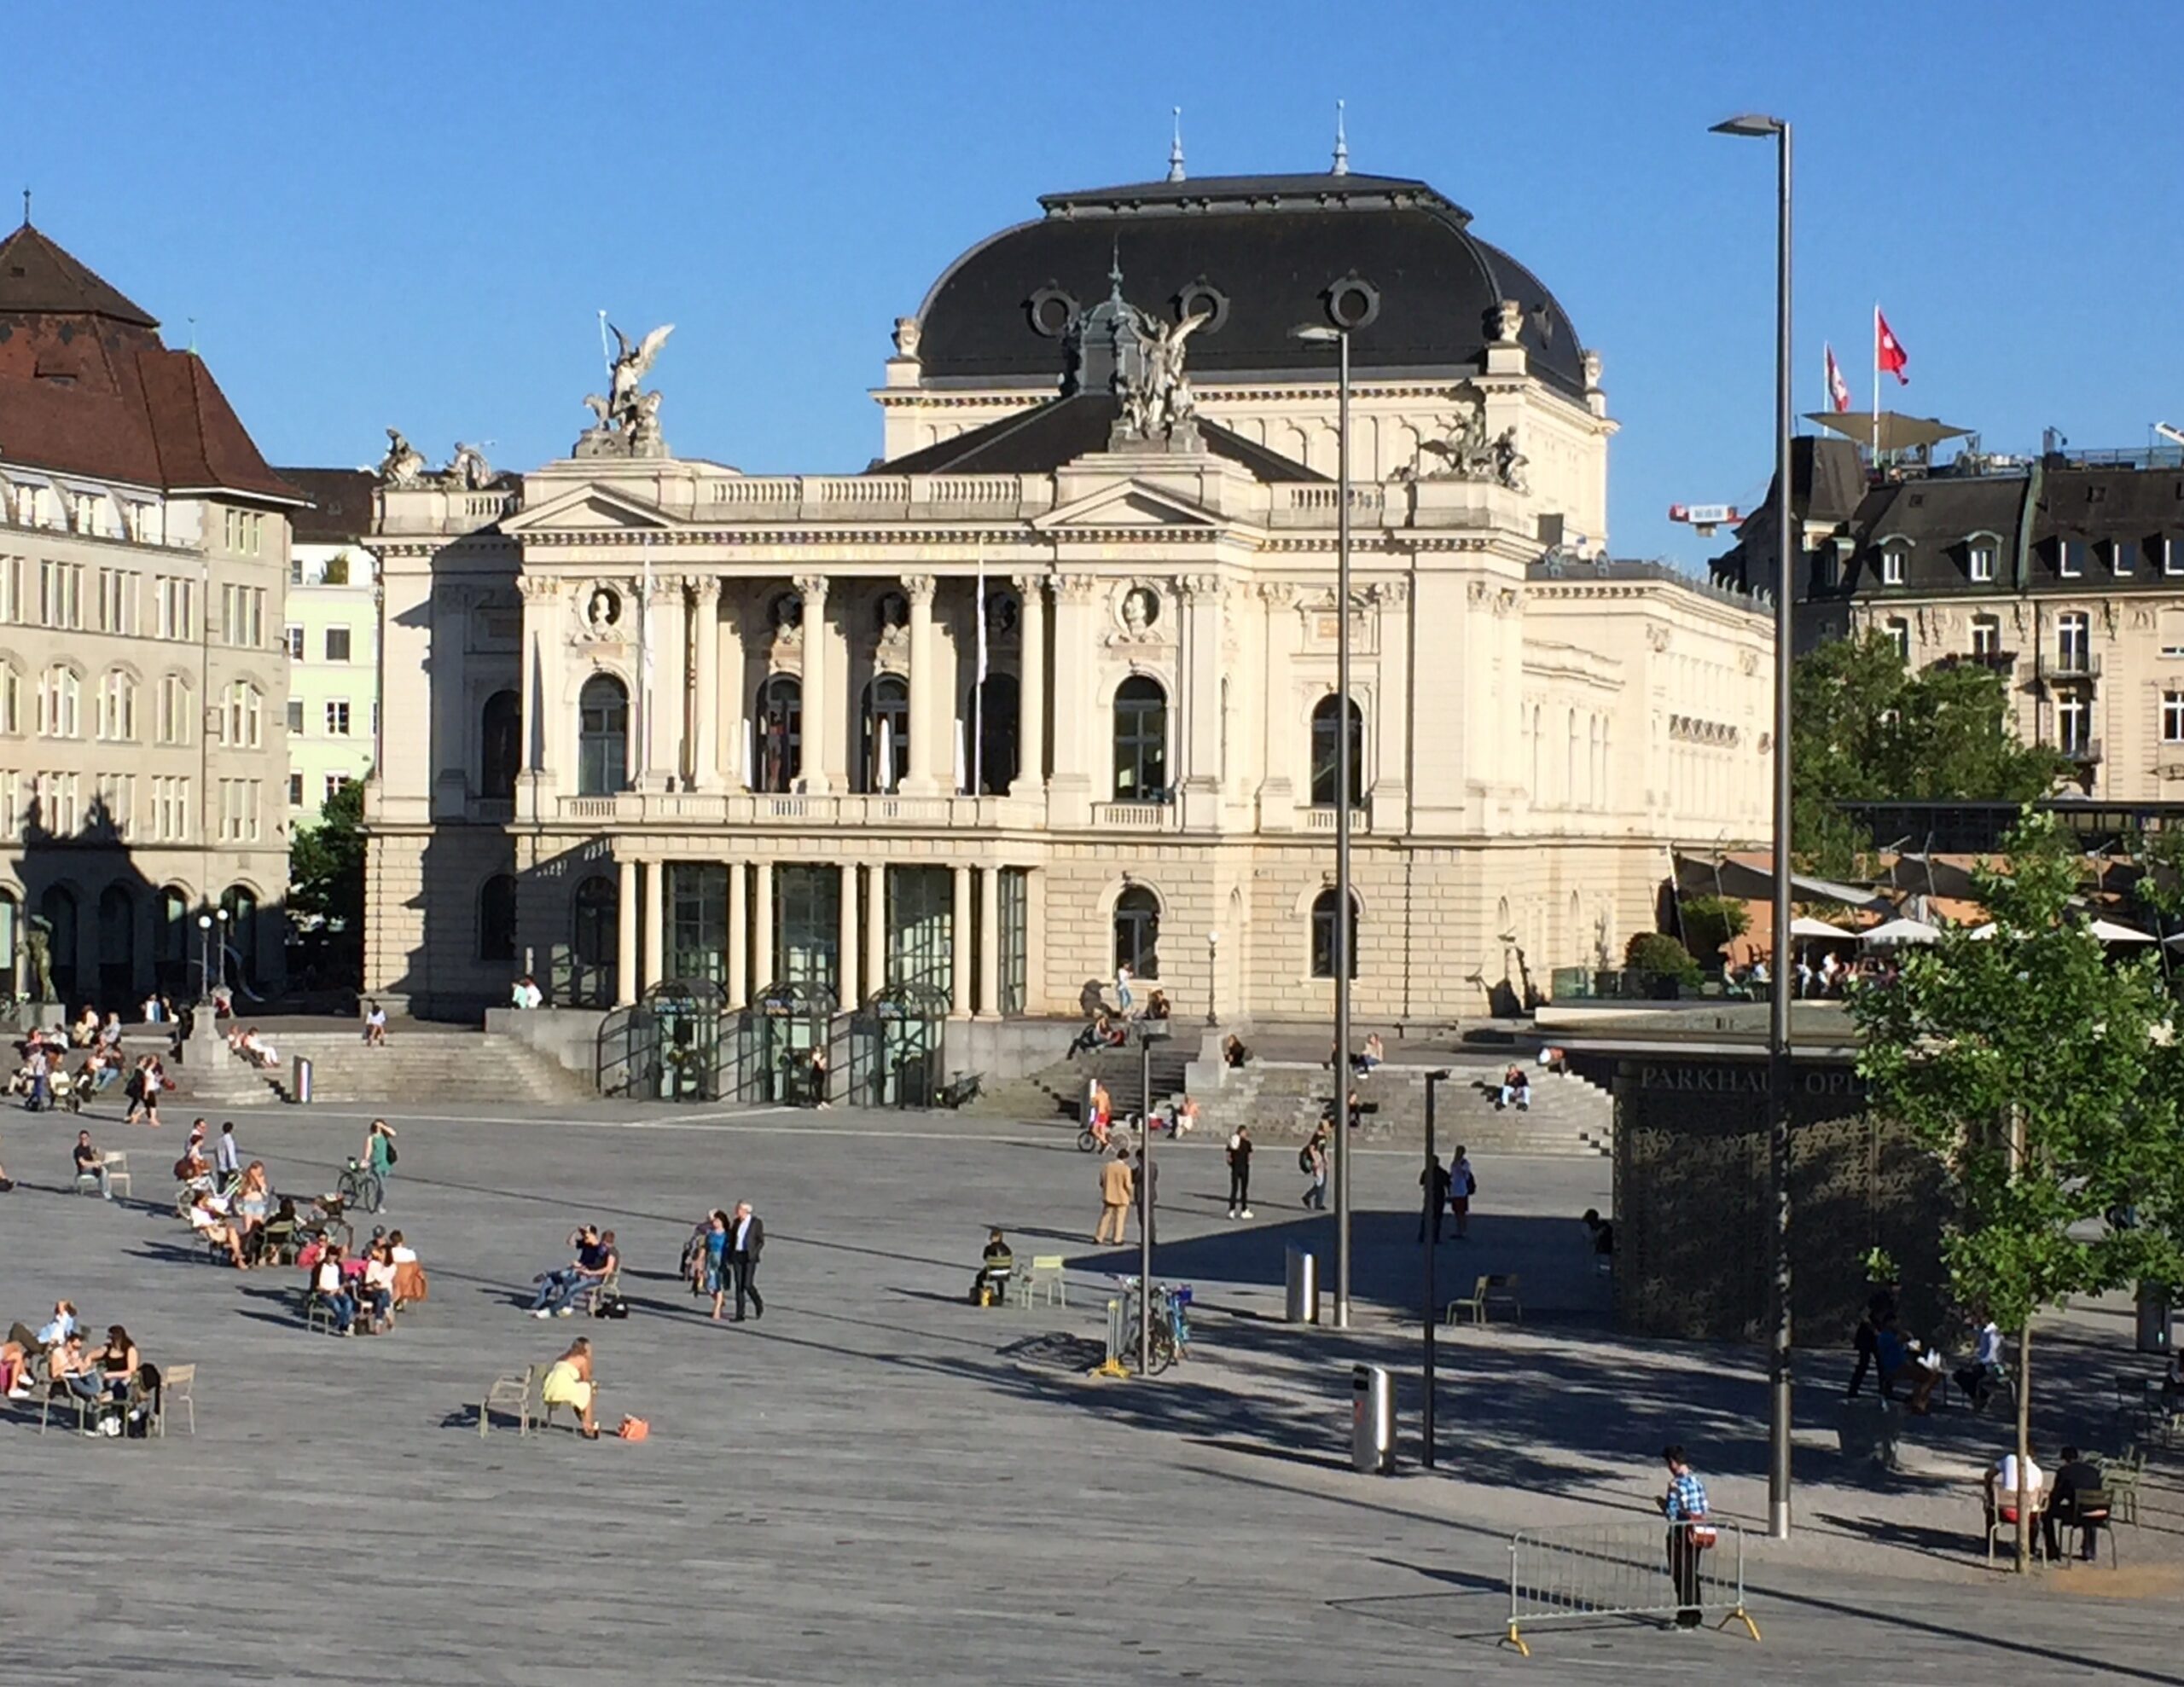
1625,1569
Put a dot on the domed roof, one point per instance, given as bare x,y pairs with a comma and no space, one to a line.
1263,253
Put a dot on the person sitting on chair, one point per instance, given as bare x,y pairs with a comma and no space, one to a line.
558,1289
999,1265
2074,1478
1900,1364
1515,1087
206,1219
569,1382
1976,1380
330,1282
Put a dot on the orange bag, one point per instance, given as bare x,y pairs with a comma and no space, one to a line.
634,1429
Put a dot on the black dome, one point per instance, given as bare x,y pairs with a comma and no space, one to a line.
1264,252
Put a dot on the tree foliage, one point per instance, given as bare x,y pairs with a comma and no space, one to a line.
326,861
1709,922
1655,954
1864,726
2046,1076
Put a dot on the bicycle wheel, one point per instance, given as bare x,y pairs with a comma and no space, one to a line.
1086,1142
1164,1348
371,1193
350,1189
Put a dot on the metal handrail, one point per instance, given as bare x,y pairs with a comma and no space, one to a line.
1625,1569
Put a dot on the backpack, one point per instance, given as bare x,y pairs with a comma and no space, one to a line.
391,1157
1304,1159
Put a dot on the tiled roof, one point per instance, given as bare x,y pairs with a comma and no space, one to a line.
88,388
341,504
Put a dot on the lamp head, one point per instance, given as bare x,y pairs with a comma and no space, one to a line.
204,922
1752,124
1213,940
1439,1077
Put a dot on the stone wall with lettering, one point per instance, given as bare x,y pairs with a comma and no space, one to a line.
1693,1211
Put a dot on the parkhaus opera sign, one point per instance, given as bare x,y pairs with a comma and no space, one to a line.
1742,1078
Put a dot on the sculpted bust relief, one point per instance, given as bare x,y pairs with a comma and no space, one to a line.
1140,610
602,611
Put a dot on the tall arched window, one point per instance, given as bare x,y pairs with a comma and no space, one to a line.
58,700
602,737
1323,935
886,732
57,908
11,916
500,750
1325,746
996,722
241,905
1137,931
779,758
496,919
1140,741
117,706
597,918
171,935
117,945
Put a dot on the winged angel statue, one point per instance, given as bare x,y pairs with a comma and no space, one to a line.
1160,400
627,418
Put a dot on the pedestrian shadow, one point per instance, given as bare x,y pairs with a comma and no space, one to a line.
1950,1546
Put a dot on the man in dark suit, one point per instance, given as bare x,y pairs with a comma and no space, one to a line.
746,1240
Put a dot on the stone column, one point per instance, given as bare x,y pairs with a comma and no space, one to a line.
1387,724
625,936
1030,686
655,960
959,947
875,928
761,928
931,723
667,697
1199,745
989,942
739,952
845,990
705,688
1281,745
734,705
820,728
1069,793
1035,941
454,741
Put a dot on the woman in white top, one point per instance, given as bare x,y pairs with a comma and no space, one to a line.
376,1294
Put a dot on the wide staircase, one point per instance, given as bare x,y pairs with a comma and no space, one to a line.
1057,1092
423,1069
1283,1099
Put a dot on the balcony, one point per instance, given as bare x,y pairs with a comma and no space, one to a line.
2003,662
1321,818
2067,664
800,810
1134,816
2085,753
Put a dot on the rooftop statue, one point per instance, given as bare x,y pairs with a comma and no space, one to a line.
626,420
1159,399
404,465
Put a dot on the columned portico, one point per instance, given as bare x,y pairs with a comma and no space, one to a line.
989,942
1030,686
739,935
1070,792
931,720
762,926
845,968
875,928
655,956
704,653
821,729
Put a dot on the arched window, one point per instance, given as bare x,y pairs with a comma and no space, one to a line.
997,723
117,706
500,753
242,959
886,732
1137,931
1325,746
602,737
11,918
170,934
246,716
780,757
117,945
176,707
1140,741
11,698
496,919
59,697
594,936
57,908
1323,935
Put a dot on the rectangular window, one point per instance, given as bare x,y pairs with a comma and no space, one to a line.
2168,553
296,716
170,809
2073,724
2172,635
118,600
2073,643
1986,636
60,595
173,620
337,718
1899,634
337,644
295,789
335,785
60,804
2123,557
1892,568
1982,564
11,804
295,637
11,589
295,571
2172,717
2070,557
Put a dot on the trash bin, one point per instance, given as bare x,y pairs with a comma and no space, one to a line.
1302,1281
1372,1420
300,1089
2156,1317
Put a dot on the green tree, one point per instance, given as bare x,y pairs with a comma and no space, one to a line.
2046,1077
326,862
1864,727
1655,955
1708,923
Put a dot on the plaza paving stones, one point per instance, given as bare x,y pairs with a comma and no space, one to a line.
880,1483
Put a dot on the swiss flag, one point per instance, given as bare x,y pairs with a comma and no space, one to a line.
1888,352
1838,390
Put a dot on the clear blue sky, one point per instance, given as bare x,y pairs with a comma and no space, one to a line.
409,213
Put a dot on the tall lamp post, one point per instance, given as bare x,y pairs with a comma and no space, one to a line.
1148,1033
1320,334
1757,126
204,957
1212,976
221,915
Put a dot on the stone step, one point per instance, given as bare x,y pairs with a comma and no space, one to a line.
463,1066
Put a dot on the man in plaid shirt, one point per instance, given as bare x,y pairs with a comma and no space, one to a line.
1684,1506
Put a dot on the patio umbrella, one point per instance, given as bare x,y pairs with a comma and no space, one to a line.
1980,934
1805,925
2110,932
1892,933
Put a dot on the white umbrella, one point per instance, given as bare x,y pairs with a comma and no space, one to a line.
1805,925
1892,933
1981,934
2110,932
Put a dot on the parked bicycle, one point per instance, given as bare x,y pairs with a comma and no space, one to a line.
1171,1331
359,1186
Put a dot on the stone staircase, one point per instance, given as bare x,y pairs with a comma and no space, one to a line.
423,1069
1282,1100
1057,1092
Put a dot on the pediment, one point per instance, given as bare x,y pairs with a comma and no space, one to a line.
597,509
1127,504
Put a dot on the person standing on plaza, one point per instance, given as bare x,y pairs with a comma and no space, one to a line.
1684,1506
1122,996
746,1240
1240,1173
713,1260
1462,1185
379,1153
1435,1181
1118,1188
40,1099
819,1076
227,1158
1312,1161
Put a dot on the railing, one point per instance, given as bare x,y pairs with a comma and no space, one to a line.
759,808
492,810
2086,752
1688,1571
1133,816
589,808
826,495
1320,817
2068,664
1316,496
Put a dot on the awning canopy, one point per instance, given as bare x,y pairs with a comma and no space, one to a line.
1898,432
1805,925
2110,932
1891,933
1697,876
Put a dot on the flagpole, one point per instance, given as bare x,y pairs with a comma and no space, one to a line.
1876,386
978,692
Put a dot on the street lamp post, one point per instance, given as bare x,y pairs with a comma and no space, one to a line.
1757,126
204,957
1320,334
1430,1210
1212,976
222,952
